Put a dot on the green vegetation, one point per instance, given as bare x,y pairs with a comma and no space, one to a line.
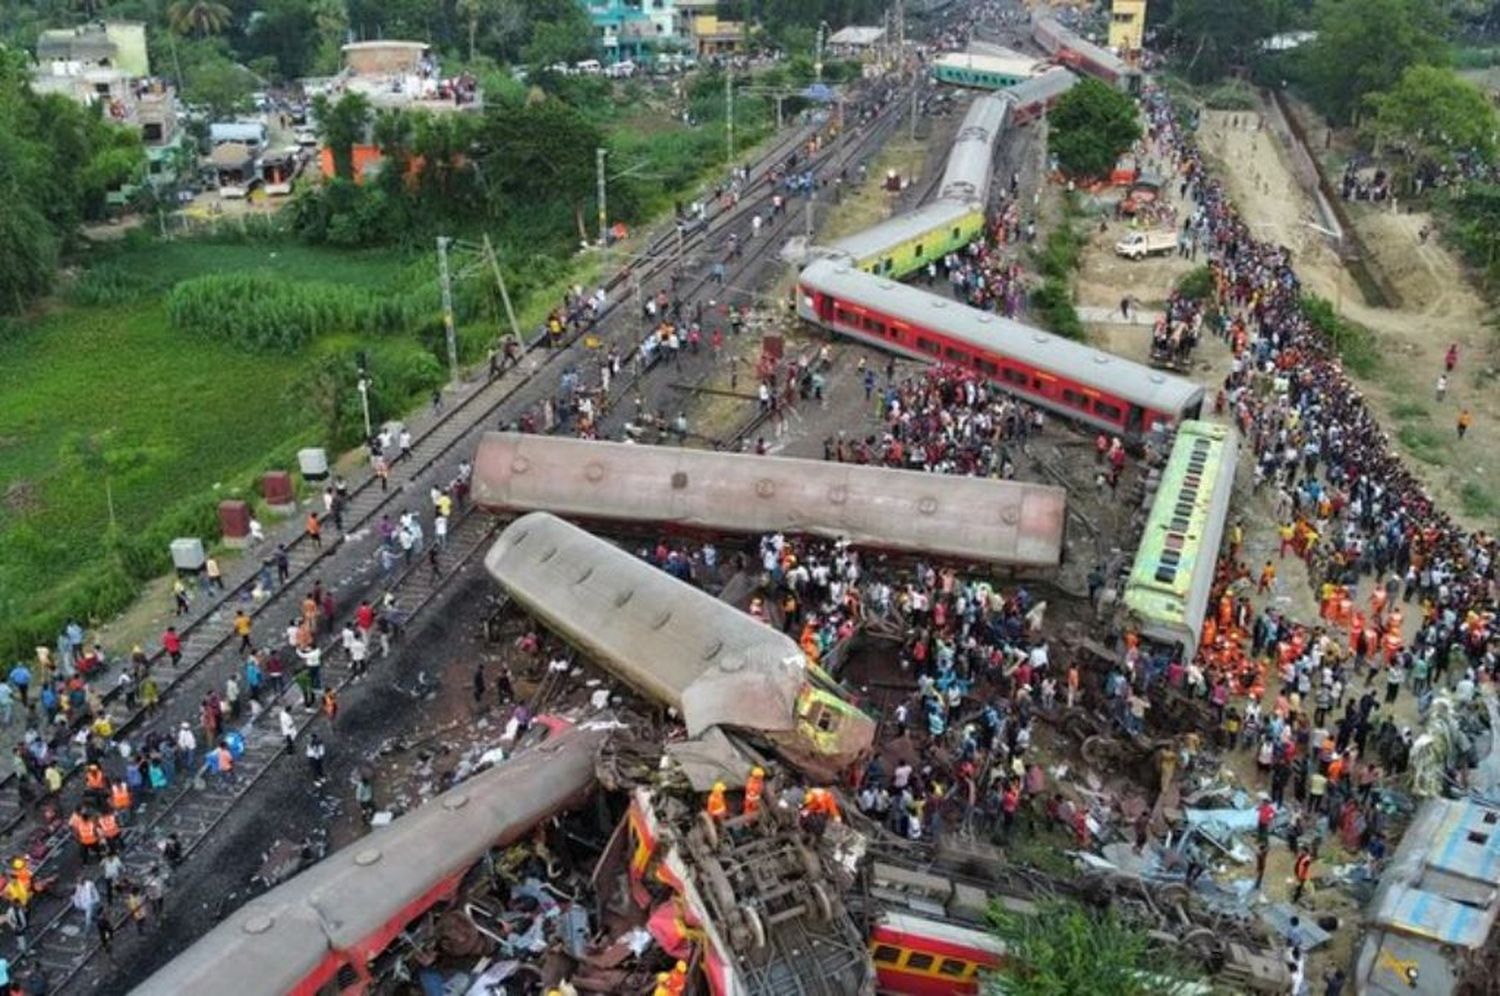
1406,411
1196,284
1434,114
57,162
1057,260
1090,126
1366,47
1425,444
1067,948
1355,344
1213,38
1471,215
1479,501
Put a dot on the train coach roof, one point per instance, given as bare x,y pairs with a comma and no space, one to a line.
971,159
1070,38
708,660
1134,382
347,901
958,518
879,239
1050,84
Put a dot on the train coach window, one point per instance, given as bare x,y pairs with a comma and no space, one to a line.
1015,376
919,962
1072,397
956,355
846,317
918,250
874,325
956,233
886,955
986,366
1109,411
928,346
953,968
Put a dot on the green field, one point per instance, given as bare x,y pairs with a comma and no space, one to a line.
181,421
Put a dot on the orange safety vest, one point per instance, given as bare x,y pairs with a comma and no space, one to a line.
94,779
753,789
717,807
225,759
109,826
88,833
119,796
1303,867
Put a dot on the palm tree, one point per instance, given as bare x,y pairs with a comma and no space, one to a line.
199,17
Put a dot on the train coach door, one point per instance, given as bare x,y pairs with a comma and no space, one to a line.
1134,421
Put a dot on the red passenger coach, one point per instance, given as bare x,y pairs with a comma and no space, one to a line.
1095,388
915,956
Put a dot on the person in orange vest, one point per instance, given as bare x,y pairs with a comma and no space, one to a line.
755,786
330,705
1377,603
1301,871
716,807
19,887
119,797
672,983
820,800
1267,577
315,530
86,832
109,830
94,784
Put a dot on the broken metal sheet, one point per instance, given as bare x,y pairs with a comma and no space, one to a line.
1233,820
484,984
1278,916
708,759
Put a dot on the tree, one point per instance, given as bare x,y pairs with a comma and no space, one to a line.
1067,949
215,82
342,126
1213,36
540,151
1365,46
1090,126
198,17
1436,114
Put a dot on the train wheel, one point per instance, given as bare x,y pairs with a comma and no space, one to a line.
754,925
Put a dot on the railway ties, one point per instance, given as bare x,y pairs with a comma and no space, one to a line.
60,947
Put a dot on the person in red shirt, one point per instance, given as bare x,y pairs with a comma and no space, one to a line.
364,618
172,644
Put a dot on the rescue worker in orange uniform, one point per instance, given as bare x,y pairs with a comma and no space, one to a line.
755,786
820,800
119,797
94,784
86,832
716,807
109,830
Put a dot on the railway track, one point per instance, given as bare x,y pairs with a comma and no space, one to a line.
193,813
209,650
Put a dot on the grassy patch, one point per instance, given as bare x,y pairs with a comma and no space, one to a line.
1426,445
1478,501
1407,411
1196,284
1354,343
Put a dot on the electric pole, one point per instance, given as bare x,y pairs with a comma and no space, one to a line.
599,155
446,283
729,112
489,251
914,114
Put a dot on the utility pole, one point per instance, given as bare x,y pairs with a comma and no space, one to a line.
446,282
599,155
914,114
489,251
809,221
729,112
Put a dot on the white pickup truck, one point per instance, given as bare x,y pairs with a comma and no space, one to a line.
1138,245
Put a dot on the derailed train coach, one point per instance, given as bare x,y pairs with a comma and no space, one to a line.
677,645
319,933
970,520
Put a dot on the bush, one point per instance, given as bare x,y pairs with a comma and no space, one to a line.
260,312
1053,304
1196,284
1061,253
107,284
1233,95
1351,342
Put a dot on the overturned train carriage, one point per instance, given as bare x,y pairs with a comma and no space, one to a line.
318,932
675,644
965,519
